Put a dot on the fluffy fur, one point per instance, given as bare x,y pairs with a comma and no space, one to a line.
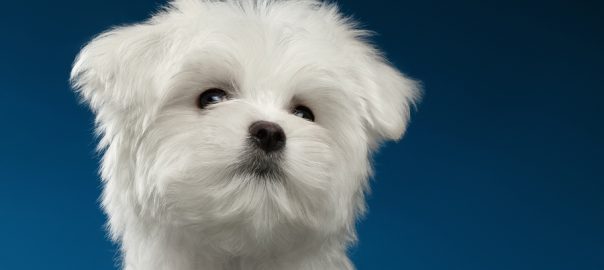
178,188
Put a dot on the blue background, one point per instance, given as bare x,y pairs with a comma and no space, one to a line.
501,167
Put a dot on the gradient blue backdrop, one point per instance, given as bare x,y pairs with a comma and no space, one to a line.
501,167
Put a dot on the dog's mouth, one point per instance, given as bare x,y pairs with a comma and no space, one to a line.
259,164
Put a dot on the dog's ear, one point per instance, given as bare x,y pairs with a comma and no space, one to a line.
388,98
115,68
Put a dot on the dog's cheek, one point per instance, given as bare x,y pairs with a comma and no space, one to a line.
184,153
352,169
309,167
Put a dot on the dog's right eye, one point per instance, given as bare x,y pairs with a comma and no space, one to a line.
304,112
211,96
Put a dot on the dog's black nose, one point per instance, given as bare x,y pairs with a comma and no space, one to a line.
267,135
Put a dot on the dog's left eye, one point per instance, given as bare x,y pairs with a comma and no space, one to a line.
211,96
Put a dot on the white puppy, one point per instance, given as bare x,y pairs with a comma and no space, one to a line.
238,134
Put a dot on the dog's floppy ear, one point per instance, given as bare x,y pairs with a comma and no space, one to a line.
115,67
388,97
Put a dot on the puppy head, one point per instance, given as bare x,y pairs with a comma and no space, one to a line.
248,119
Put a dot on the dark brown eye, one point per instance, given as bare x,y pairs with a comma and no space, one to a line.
211,96
304,112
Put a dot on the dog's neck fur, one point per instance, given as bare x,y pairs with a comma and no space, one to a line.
184,250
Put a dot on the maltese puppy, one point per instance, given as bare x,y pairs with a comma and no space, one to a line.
238,134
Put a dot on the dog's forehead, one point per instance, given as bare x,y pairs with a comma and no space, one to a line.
263,55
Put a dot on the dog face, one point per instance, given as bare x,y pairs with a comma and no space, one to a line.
247,119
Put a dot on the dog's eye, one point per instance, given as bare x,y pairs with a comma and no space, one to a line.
304,112
211,96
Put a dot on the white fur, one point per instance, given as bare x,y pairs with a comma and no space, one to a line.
170,193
